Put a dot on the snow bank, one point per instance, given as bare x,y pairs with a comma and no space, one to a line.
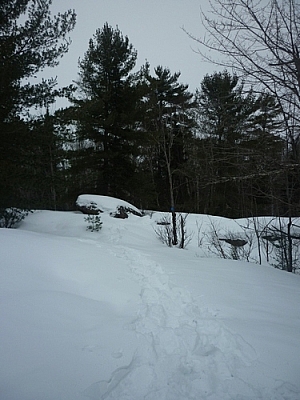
117,315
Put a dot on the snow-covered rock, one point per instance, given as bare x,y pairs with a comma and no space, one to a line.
95,204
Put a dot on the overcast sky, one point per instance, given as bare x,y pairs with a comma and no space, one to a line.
154,27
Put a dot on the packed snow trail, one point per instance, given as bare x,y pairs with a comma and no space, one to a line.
182,352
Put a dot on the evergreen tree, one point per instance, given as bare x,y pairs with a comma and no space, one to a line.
169,123
47,160
223,108
106,113
239,145
30,40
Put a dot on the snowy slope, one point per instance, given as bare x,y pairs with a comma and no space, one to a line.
117,315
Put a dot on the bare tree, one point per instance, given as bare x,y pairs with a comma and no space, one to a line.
260,41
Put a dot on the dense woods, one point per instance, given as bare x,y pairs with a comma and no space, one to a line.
226,149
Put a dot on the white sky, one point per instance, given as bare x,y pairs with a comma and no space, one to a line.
154,27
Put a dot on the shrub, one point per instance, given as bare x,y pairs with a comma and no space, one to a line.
11,217
234,246
165,231
94,223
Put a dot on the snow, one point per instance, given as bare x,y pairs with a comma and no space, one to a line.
116,314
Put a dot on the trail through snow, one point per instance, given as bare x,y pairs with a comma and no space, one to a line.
115,315
206,359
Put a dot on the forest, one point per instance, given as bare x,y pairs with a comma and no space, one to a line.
231,148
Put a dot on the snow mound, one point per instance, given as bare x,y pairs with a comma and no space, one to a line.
116,315
104,204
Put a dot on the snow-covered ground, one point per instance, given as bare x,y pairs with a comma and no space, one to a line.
117,315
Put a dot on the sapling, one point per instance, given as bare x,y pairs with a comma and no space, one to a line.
94,223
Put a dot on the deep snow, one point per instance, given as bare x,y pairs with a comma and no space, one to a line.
118,315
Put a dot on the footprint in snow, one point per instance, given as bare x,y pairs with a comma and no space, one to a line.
183,352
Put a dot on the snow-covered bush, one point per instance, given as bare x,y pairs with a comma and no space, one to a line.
94,223
11,217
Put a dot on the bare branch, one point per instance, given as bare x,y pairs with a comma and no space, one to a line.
261,43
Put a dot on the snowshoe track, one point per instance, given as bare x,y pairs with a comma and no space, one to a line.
171,330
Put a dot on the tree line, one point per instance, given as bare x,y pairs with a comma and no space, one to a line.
142,136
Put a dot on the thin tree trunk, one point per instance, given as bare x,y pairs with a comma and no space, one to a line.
290,246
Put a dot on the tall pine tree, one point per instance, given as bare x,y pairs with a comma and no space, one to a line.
169,122
105,113
237,132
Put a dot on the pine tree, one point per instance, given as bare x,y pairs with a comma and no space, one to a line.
239,144
105,112
30,40
168,122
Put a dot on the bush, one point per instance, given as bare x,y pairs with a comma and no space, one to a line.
284,241
11,217
165,231
234,246
94,223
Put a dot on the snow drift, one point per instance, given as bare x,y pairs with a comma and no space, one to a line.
116,315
